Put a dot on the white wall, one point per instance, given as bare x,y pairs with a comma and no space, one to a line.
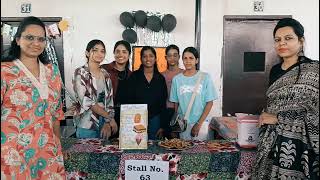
100,19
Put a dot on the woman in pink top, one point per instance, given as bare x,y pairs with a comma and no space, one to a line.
172,57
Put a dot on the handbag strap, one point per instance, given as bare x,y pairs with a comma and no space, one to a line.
186,116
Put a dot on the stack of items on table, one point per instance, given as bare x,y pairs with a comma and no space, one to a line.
241,128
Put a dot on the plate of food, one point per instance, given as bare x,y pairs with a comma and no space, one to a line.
175,144
221,146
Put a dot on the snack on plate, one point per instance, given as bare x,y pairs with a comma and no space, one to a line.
175,144
139,128
219,145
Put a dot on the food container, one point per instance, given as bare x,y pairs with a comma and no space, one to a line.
248,132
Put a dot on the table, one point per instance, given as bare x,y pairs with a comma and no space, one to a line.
245,165
227,128
90,159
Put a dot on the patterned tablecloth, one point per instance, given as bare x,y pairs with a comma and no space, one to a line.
226,127
90,159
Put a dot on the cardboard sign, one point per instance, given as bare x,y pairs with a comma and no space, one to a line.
133,126
146,170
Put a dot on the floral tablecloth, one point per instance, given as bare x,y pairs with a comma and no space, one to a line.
90,159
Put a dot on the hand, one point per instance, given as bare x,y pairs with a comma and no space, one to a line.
160,133
105,132
267,118
195,130
174,135
65,155
114,126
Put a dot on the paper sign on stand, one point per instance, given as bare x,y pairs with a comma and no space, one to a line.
133,126
146,170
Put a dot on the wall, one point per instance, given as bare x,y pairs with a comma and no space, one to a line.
100,19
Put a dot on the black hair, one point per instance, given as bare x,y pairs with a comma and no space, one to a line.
15,50
124,43
145,48
172,46
195,53
91,45
168,48
128,48
298,30
192,50
296,26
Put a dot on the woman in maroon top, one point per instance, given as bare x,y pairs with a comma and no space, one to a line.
119,71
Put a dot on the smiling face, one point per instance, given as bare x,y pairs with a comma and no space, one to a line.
189,61
96,54
121,54
287,44
148,58
32,41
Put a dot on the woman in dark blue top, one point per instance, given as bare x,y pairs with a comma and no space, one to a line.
148,86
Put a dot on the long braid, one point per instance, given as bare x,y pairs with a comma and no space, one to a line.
299,71
300,58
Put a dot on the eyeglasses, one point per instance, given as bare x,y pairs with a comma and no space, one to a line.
32,38
175,55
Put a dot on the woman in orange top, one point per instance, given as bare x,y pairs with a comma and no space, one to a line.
31,108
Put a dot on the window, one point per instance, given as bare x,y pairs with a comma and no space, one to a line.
254,61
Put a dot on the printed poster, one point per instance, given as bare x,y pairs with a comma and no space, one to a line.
133,126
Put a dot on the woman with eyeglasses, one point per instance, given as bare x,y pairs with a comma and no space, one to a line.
31,108
119,73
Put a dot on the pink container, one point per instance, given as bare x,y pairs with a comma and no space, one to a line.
248,132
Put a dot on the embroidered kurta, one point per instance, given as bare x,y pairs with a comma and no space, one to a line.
86,94
290,149
29,106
